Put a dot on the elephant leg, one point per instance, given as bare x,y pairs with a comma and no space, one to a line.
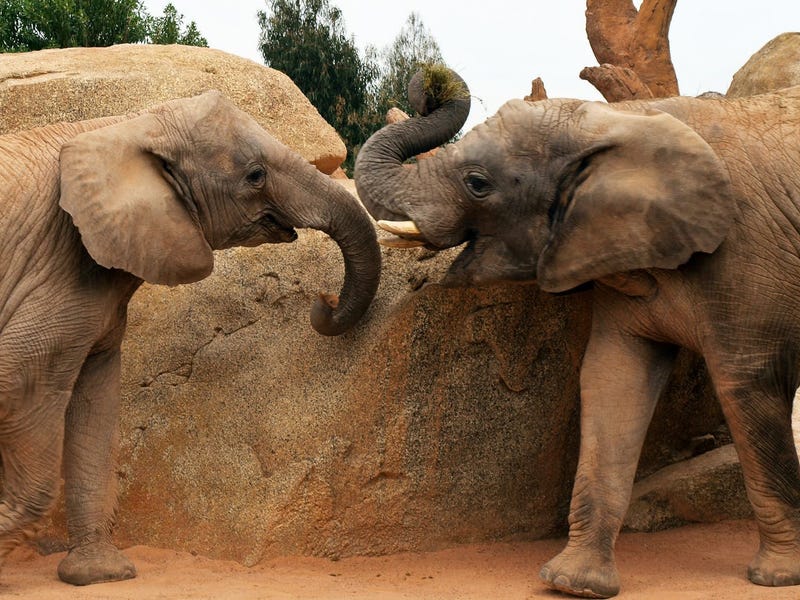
31,442
621,379
89,477
761,426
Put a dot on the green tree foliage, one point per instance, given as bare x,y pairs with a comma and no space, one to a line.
307,40
38,24
12,31
169,29
27,25
413,47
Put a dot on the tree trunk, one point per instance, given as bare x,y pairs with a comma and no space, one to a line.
636,43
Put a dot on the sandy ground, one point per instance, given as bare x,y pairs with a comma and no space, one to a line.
693,562
696,562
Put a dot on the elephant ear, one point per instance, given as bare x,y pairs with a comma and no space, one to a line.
130,217
644,190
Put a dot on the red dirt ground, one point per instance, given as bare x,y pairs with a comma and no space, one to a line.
689,563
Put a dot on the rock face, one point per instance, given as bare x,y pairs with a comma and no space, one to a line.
704,489
43,87
440,420
449,416
775,66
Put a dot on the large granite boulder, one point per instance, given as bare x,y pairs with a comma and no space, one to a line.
448,416
73,84
703,489
775,66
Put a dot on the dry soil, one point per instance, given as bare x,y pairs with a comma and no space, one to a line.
693,562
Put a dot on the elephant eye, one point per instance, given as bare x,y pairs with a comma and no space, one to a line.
256,176
478,184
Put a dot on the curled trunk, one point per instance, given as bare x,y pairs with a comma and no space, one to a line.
384,184
337,213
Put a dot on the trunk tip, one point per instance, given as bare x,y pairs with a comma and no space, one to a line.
435,85
323,316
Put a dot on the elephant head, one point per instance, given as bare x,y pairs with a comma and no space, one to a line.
155,194
558,191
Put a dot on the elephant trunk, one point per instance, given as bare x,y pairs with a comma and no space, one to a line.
337,213
387,187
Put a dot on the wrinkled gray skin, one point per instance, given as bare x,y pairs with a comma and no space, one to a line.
87,212
684,215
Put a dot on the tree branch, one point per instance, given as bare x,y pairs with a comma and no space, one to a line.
609,28
652,24
616,83
636,40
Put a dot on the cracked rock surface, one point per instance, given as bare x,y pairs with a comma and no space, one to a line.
448,416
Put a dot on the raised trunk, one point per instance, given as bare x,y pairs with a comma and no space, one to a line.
384,184
334,211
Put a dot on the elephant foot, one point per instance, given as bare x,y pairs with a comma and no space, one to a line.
774,569
580,573
95,563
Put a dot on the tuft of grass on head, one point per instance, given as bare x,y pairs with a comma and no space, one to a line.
440,84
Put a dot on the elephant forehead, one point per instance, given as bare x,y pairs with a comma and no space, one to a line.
498,152
481,145
518,128
231,141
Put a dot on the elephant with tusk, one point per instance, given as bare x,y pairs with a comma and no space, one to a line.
90,210
683,214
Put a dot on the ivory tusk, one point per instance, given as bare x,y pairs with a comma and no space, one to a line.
401,228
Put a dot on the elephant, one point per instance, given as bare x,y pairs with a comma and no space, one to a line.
681,218
88,212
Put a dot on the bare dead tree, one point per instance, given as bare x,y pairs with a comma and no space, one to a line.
632,47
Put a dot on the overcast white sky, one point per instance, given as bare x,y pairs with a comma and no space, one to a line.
499,46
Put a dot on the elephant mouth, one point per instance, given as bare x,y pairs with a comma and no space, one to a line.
275,231
406,234
461,272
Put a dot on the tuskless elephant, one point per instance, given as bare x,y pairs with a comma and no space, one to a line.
683,215
90,210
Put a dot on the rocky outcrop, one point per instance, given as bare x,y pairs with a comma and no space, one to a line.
705,489
775,66
73,84
448,416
